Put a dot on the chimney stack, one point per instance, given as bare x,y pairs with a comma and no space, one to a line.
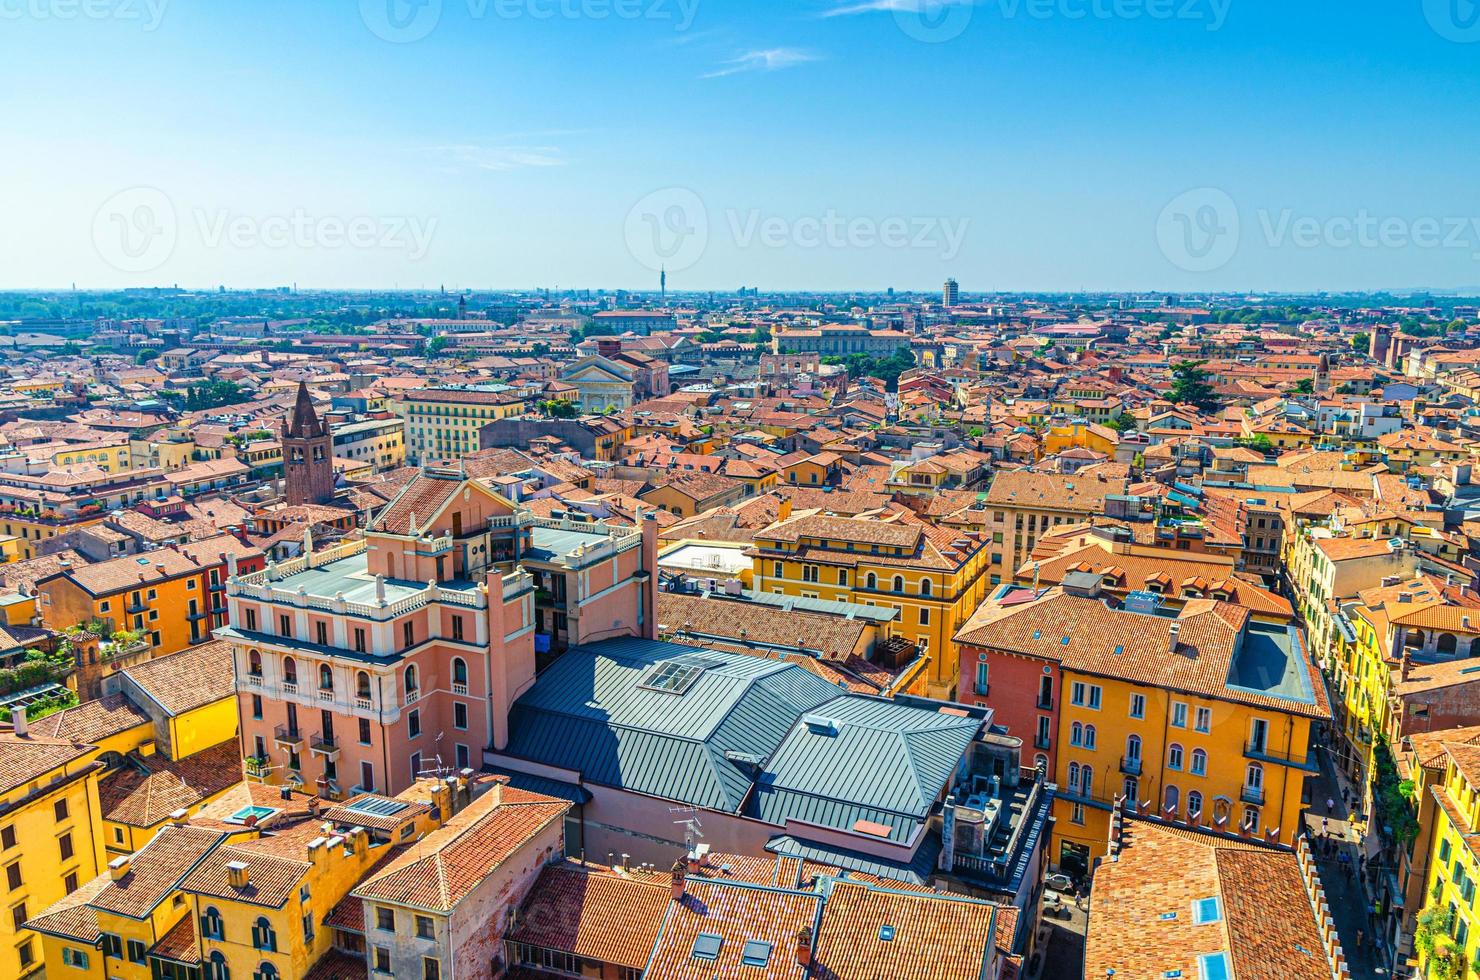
680,869
119,866
18,719
804,949
237,874
1406,665
1172,633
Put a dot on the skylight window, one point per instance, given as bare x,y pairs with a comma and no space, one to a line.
756,953
1213,966
376,806
886,934
1206,910
671,677
707,946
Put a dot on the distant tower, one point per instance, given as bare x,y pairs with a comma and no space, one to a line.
1323,375
663,285
951,294
462,307
308,457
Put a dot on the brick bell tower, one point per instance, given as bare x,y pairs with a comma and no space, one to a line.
308,457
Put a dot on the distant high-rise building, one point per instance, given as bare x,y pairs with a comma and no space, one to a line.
308,454
663,284
951,294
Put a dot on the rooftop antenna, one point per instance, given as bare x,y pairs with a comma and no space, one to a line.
693,829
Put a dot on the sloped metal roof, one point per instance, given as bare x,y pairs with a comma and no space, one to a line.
886,762
589,712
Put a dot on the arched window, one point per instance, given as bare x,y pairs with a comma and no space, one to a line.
1251,819
326,678
1194,805
411,679
211,926
1199,762
267,972
1076,734
1074,777
459,671
1133,748
1448,642
1087,780
263,935
254,663
925,587
1089,736
1174,756
1040,762
290,670
1131,788
872,581
1171,799
216,968
1475,647
899,583
1254,776
362,685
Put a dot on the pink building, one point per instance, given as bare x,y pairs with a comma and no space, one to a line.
362,665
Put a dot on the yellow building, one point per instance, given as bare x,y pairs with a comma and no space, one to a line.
445,423
110,457
1199,715
1025,505
1447,937
48,847
1079,434
934,576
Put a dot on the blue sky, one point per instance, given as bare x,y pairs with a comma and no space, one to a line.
823,144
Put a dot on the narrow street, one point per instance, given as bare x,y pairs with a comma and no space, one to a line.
1338,848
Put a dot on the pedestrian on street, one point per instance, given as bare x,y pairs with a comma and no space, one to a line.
1329,804
1325,826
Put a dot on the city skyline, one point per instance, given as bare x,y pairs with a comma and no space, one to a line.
1109,146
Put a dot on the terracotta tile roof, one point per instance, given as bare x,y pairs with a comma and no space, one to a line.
452,860
337,965
23,575
844,529
150,789
179,943
189,679
72,917
348,914
22,760
835,636
1049,491
157,869
91,721
738,913
421,498
1267,926
594,913
343,816
271,877
934,937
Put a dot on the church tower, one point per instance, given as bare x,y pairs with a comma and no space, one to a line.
308,456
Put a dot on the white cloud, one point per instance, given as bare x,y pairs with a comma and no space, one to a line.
770,59
498,158
850,7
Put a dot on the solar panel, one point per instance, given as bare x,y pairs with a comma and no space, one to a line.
375,806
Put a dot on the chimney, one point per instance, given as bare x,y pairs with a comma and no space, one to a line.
1406,665
119,866
680,869
804,949
18,719
499,782
236,874
180,818
1172,633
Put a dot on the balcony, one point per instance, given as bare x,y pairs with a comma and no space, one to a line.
982,690
136,607
254,680
290,687
1130,766
1261,752
288,737
326,694
1045,704
1252,794
324,745
460,689
257,766
413,696
364,704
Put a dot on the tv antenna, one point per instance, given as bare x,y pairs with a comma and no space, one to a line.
693,829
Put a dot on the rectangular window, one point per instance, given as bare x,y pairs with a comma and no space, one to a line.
408,633
13,875
382,960
1204,720
7,837
457,627
364,731
136,951
74,958
459,715
65,843
367,777
1077,693
257,707
285,624
385,919
413,723
982,687
924,617
1138,706
842,576
112,945
424,927
18,916
1179,715
70,882
321,633
60,809
359,640
431,969
251,617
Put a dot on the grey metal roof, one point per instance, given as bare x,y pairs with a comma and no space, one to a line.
916,871
588,712
837,607
888,762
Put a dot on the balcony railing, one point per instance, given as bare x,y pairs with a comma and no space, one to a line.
326,694
290,687
459,689
1252,794
413,696
254,680
285,735
982,690
257,766
324,745
364,704
1130,766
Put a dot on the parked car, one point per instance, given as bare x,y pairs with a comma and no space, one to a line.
1060,883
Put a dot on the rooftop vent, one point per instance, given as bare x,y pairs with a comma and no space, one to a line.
822,724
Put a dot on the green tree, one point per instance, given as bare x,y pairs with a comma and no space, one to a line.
1305,386
1190,386
1361,342
436,346
560,409
145,356
212,394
